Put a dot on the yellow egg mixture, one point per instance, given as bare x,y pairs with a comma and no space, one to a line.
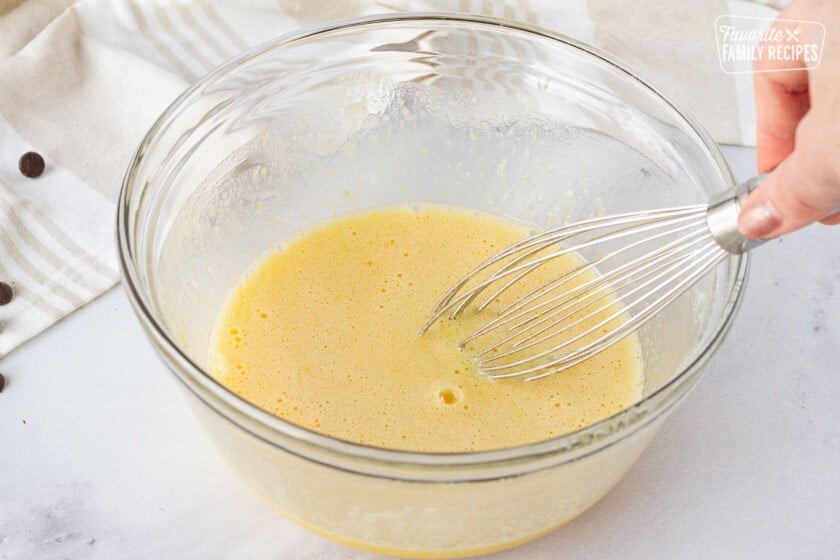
324,332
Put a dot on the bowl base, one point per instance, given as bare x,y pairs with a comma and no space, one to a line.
411,554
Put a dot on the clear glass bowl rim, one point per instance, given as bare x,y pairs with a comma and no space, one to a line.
381,462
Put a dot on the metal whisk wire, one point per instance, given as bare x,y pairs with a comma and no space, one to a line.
573,316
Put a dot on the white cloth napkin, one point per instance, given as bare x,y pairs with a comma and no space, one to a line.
80,82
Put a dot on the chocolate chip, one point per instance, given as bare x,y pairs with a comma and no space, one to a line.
2,382
31,164
6,293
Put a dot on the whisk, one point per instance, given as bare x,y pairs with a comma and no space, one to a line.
650,257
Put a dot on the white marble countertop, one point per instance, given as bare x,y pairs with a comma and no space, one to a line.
100,457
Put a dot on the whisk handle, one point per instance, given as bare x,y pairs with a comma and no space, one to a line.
722,217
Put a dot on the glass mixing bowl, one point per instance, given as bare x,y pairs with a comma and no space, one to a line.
464,111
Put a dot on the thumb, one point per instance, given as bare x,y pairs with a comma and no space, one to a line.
804,188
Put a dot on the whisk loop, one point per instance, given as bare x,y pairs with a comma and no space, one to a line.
641,262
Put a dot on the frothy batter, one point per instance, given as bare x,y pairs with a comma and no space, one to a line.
324,332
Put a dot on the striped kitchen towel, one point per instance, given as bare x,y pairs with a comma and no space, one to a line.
80,82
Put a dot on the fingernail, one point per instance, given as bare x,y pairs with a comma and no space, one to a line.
759,221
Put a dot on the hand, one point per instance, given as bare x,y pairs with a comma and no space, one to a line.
798,133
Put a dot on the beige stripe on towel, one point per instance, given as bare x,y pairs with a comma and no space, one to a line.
146,30
223,26
187,46
188,15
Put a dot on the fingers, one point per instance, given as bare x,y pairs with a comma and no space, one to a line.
797,110
832,220
781,97
780,105
804,188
